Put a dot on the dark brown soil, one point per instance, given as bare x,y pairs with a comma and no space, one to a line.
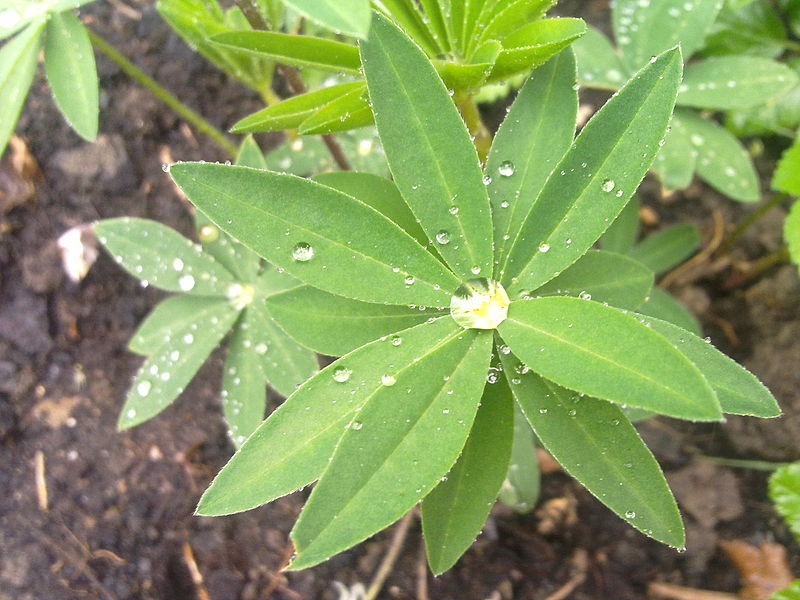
119,521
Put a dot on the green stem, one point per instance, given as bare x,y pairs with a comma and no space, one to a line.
159,92
482,137
750,220
757,465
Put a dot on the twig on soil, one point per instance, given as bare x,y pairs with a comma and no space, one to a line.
275,579
194,572
41,483
701,257
676,592
395,546
422,573
580,563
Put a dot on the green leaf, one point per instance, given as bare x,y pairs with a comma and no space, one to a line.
334,325
739,392
351,17
470,75
508,19
730,82
598,446
17,67
161,256
292,447
71,72
292,112
596,178
787,175
348,111
604,277
676,161
645,29
534,44
521,487
376,262
599,64
456,509
663,306
722,161
16,14
410,19
622,234
753,29
250,154
599,351
284,362
274,281
784,490
790,593
428,149
297,50
664,249
170,316
169,369
531,141
791,232
244,394
242,262
435,21
379,193
396,449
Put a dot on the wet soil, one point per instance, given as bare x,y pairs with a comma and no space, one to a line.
118,520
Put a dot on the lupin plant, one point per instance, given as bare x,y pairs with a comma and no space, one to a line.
453,293
222,289
695,144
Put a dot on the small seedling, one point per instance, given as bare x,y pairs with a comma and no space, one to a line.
717,83
222,288
784,490
454,293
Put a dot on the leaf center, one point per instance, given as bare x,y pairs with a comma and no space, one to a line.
479,304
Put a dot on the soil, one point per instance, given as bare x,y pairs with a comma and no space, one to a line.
118,523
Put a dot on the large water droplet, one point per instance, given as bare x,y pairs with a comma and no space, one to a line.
608,185
208,234
630,515
544,247
177,264
443,237
388,380
303,252
342,374
143,388
396,340
480,304
506,168
186,282
261,348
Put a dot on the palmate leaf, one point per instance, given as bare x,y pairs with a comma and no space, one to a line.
69,64
376,262
645,29
17,68
161,256
731,82
292,447
168,370
427,145
334,325
351,17
595,443
596,177
666,248
739,392
401,443
529,144
597,350
456,509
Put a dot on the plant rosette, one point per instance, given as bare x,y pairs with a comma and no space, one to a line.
695,144
222,288
457,293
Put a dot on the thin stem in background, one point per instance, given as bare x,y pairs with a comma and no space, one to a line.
159,92
395,546
751,219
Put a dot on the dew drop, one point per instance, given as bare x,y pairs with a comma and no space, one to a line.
188,338
143,388
630,515
453,210
544,247
487,180
177,264
261,348
342,374
608,185
396,340
356,425
131,414
303,252
388,380
208,234
475,270
443,237
506,168
409,280
186,282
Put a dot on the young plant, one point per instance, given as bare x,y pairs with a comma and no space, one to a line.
695,143
224,289
787,180
452,295
784,490
68,63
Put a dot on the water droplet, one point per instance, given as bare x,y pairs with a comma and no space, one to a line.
475,270
491,377
506,168
443,237
542,411
543,247
505,349
208,234
479,304
177,264
453,210
487,180
131,414
165,168
302,252
342,374
522,368
572,412
188,338
261,348
143,388
396,340
608,185
630,515
186,282
174,355
356,425
585,295
388,380
409,280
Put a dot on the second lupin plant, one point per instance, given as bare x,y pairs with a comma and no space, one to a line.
467,273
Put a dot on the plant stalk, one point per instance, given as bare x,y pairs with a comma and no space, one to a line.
481,136
159,92
750,220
